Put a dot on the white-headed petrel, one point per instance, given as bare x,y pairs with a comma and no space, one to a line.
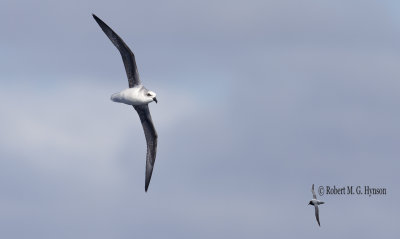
315,203
136,95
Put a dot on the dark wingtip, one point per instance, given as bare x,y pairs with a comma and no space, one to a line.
98,20
149,172
147,183
146,186
95,17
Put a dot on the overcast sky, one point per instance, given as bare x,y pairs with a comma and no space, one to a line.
258,100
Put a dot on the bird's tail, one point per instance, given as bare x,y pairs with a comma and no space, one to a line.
321,202
116,97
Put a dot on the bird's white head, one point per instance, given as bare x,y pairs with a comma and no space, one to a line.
151,96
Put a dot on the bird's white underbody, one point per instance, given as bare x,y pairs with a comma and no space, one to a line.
137,95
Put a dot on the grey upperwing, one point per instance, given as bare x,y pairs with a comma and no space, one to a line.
127,56
313,192
151,140
317,214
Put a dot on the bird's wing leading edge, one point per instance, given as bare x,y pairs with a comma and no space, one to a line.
151,139
127,56
317,214
313,192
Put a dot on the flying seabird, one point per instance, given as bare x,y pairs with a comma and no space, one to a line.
136,95
315,203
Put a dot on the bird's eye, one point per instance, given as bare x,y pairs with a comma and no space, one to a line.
148,94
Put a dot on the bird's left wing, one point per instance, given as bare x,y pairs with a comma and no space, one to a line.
151,140
127,56
313,192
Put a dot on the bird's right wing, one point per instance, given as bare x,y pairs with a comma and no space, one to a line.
151,140
317,214
127,56
313,192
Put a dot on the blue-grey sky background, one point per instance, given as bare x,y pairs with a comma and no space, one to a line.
258,100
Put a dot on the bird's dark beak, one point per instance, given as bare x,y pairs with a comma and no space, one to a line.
155,99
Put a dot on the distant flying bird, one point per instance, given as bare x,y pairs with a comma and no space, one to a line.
136,95
315,203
